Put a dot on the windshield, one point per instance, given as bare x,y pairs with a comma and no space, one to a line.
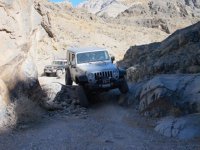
58,63
92,56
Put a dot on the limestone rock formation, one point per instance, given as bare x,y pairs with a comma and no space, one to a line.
167,16
184,127
111,7
65,4
20,31
166,79
179,53
59,96
170,95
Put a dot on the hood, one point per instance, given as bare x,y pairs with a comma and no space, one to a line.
48,66
53,65
97,66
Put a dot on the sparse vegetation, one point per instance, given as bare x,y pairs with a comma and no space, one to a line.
21,111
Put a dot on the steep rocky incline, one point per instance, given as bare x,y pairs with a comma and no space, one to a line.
110,8
166,81
167,16
179,53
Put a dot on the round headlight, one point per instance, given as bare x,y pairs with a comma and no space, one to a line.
90,76
116,73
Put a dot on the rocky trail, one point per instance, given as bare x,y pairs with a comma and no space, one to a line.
104,125
158,42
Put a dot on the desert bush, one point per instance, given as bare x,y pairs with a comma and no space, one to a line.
21,111
27,110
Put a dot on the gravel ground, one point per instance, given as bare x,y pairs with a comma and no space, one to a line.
104,126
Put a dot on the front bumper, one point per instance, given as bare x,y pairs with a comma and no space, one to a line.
104,85
49,70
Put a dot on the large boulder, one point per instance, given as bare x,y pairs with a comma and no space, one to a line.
169,95
61,97
20,31
186,127
58,96
179,53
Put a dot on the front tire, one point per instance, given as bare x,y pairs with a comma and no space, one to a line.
47,74
68,80
124,87
81,93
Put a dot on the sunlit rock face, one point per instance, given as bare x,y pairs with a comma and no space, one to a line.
20,30
166,16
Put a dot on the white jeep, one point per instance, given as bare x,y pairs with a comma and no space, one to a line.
93,70
56,68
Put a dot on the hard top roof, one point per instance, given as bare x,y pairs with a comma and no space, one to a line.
59,60
85,49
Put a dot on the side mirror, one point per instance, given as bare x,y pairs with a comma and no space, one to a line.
112,58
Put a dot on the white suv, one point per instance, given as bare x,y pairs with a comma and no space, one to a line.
93,69
57,68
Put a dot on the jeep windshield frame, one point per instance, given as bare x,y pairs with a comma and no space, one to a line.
92,56
57,62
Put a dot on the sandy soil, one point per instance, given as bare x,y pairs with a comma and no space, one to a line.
105,125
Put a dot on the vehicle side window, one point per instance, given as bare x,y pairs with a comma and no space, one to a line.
73,57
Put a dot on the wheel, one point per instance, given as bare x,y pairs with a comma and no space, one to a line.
124,87
59,73
47,74
82,96
68,80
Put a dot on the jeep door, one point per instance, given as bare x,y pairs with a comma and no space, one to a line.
73,69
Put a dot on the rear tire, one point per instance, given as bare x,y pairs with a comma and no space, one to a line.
47,74
81,93
124,87
68,79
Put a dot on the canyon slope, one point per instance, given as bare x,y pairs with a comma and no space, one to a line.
167,16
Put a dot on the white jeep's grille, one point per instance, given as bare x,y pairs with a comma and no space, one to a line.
103,74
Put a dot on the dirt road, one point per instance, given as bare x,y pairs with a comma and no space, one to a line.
104,126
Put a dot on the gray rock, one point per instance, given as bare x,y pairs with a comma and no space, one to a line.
179,53
20,28
18,31
167,16
59,96
186,127
170,95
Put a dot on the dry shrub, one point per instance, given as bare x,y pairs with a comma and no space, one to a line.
22,111
27,110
